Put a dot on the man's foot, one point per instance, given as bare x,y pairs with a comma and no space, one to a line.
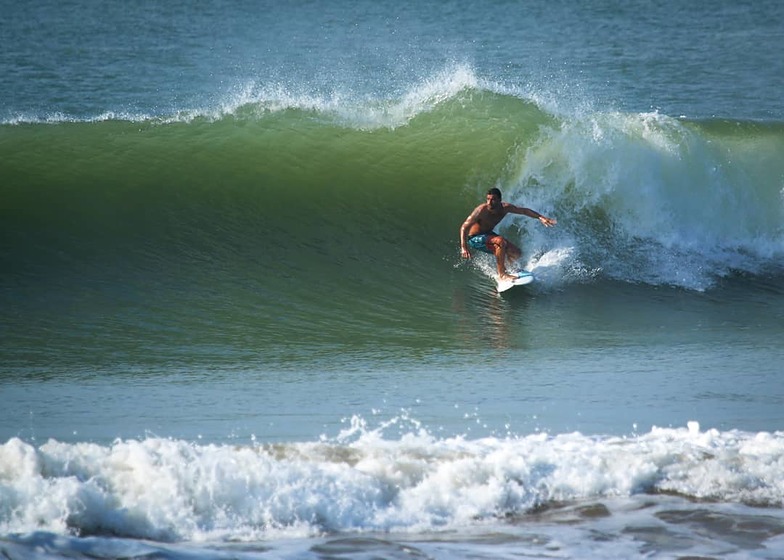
508,277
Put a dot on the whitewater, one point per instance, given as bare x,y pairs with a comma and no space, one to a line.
365,483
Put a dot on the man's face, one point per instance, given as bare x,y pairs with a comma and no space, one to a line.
493,202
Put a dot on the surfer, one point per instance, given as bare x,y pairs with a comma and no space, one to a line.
477,231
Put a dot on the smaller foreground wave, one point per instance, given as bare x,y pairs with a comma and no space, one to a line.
361,481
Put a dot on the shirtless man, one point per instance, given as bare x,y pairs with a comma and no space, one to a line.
477,231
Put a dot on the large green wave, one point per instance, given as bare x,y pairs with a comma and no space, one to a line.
283,186
344,223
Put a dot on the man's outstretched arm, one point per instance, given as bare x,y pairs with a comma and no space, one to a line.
545,221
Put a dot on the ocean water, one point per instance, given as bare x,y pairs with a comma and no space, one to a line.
234,321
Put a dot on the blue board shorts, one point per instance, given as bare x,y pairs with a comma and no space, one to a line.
479,241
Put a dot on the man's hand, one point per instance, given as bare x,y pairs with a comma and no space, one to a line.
547,222
464,252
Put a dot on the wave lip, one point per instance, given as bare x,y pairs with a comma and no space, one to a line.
254,100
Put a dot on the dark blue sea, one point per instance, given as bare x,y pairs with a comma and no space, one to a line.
234,319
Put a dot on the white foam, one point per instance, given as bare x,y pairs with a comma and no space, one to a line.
165,489
648,199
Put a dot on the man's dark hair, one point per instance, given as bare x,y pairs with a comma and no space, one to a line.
494,191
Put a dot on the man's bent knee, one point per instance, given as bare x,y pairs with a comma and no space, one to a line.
499,242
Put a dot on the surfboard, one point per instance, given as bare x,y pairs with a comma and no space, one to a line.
523,277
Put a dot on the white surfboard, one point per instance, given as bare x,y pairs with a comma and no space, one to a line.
523,277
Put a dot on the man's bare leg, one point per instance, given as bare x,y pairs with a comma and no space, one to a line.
513,253
503,249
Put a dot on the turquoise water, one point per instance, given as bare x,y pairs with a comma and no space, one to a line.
234,321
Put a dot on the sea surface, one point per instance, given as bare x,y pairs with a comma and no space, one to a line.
234,320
